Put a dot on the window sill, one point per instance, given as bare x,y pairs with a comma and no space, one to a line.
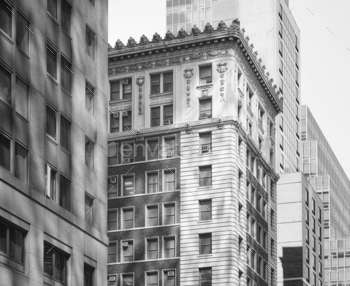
205,255
6,36
161,94
205,221
50,281
119,101
11,263
50,77
22,52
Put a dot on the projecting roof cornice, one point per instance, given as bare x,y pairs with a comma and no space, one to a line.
161,51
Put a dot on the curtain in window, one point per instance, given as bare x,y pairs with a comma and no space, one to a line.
16,245
51,122
60,267
66,74
65,16
65,133
4,152
21,98
90,42
51,55
52,7
3,245
5,85
22,37
64,193
6,18
21,163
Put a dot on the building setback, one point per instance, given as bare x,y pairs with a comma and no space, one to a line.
191,161
53,134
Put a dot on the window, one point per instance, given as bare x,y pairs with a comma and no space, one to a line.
127,251
51,183
204,276
127,88
128,218
5,85
89,209
205,142
205,74
169,214
169,180
272,247
152,278
161,83
253,228
115,90
306,197
152,182
272,218
168,114
114,122
89,153
313,225
127,279
307,216
155,84
152,149
205,108
205,173
169,247
205,243
313,206
155,116
169,278
51,122
88,275
55,263
307,235
90,42
66,16
11,242
127,151
66,74
65,133
319,233
21,163
127,120
21,98
128,185
152,215
112,188
89,99
22,35
52,8
240,210
51,58
252,197
307,274
205,210
169,143
112,220
112,252
152,248
64,193
6,18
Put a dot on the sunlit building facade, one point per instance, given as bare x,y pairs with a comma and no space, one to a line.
192,181
53,133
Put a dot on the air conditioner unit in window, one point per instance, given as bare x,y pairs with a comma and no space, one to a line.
111,278
169,154
205,148
125,244
203,116
126,160
167,122
113,180
125,81
116,115
171,273
203,81
125,113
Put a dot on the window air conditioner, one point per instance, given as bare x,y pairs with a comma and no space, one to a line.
125,81
171,273
125,113
125,244
169,154
203,81
126,160
205,148
167,122
111,278
203,116
113,180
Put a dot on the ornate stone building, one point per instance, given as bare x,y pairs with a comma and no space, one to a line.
192,181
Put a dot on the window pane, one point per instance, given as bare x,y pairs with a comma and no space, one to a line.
152,279
52,7
205,176
115,90
51,122
16,245
48,259
21,163
152,247
205,276
65,133
88,275
155,116
128,185
89,98
169,147
205,74
128,252
127,122
155,84
168,82
64,193
5,85
66,74
112,253
152,149
66,16
114,124
205,243
152,182
4,152
90,43
205,210
89,153
128,280
60,267
51,55
22,37
152,215
169,217
168,114
128,218
169,247
112,220
3,237
127,90
169,279
21,98
205,107
6,18
169,180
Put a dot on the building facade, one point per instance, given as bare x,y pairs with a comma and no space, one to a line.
191,161
53,134
300,232
272,29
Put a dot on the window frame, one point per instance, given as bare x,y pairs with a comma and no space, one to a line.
88,140
203,236
122,256
147,174
90,33
164,212
50,48
127,274
168,171
201,69
90,212
114,242
88,267
148,149
123,215
201,282
161,82
210,211
26,163
55,250
151,272
147,239
165,274
90,88
168,237
200,168
123,185
147,217
113,221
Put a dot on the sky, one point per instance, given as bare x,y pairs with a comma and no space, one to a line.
324,65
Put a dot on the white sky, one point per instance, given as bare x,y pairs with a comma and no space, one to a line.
325,56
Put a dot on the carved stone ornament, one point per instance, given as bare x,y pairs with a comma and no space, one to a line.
131,42
189,128
119,44
220,124
188,72
156,38
140,80
195,31
208,28
139,136
169,36
182,33
222,26
144,40
236,24
222,67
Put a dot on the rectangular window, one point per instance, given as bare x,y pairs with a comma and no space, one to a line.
127,279
205,108
52,8
89,99
205,74
5,85
205,276
22,35
112,252
55,263
205,142
205,210
128,185
155,116
127,251
152,182
152,278
89,209
64,193
89,153
127,88
205,176
169,278
51,124
169,247
51,58
65,133
21,98
167,114
112,220
152,149
169,180
21,163
307,216
90,43
128,218
115,90
152,215
11,242
66,74
127,121
51,183
168,82
114,122
66,16
169,143
127,152
169,214
152,248
205,243
155,84
88,275
6,18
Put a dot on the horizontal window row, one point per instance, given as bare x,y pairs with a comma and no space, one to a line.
257,231
257,263
257,169
256,200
